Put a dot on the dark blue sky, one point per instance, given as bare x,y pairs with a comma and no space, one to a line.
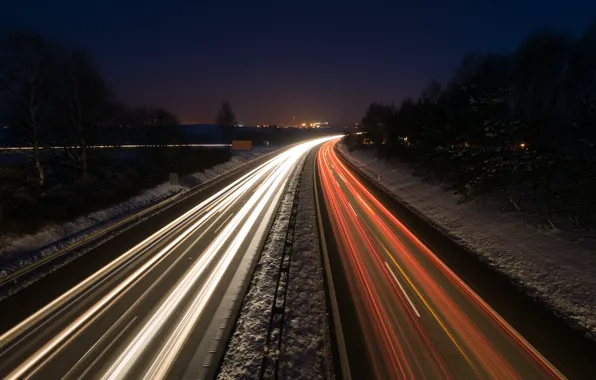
274,60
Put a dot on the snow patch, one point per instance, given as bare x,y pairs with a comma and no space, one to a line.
306,343
20,251
559,272
244,355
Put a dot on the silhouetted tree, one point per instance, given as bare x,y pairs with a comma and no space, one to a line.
431,92
377,121
27,72
226,116
541,64
52,95
84,106
226,119
520,127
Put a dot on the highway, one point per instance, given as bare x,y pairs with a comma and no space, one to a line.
160,309
419,320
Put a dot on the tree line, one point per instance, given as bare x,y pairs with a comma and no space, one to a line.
518,127
52,95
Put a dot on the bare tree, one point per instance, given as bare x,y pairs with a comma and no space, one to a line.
26,65
226,116
84,105
226,119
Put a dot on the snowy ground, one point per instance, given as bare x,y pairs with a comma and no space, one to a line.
559,272
306,343
245,349
306,346
18,251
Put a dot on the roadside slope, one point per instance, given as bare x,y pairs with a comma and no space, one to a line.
560,273
17,251
565,346
37,292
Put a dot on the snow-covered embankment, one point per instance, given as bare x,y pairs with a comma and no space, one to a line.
19,251
558,272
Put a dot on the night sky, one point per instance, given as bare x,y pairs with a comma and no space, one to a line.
274,61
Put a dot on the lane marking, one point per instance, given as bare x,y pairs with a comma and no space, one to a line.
354,211
136,303
430,309
232,192
461,350
103,352
224,223
98,307
362,200
122,262
402,290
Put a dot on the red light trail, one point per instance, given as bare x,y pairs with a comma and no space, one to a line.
420,320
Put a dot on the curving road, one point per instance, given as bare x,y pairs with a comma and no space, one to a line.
419,319
161,309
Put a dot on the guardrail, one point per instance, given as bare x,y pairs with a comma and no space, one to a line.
336,326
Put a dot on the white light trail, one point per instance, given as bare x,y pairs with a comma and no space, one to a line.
228,195
252,211
215,201
126,146
278,168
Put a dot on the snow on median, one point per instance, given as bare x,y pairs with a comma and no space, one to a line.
559,272
306,345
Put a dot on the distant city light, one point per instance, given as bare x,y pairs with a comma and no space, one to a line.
311,124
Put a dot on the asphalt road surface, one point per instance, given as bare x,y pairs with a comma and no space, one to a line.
160,308
419,320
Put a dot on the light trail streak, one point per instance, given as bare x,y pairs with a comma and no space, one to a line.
383,260
224,222
215,201
212,204
126,146
173,345
106,349
268,179
254,206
